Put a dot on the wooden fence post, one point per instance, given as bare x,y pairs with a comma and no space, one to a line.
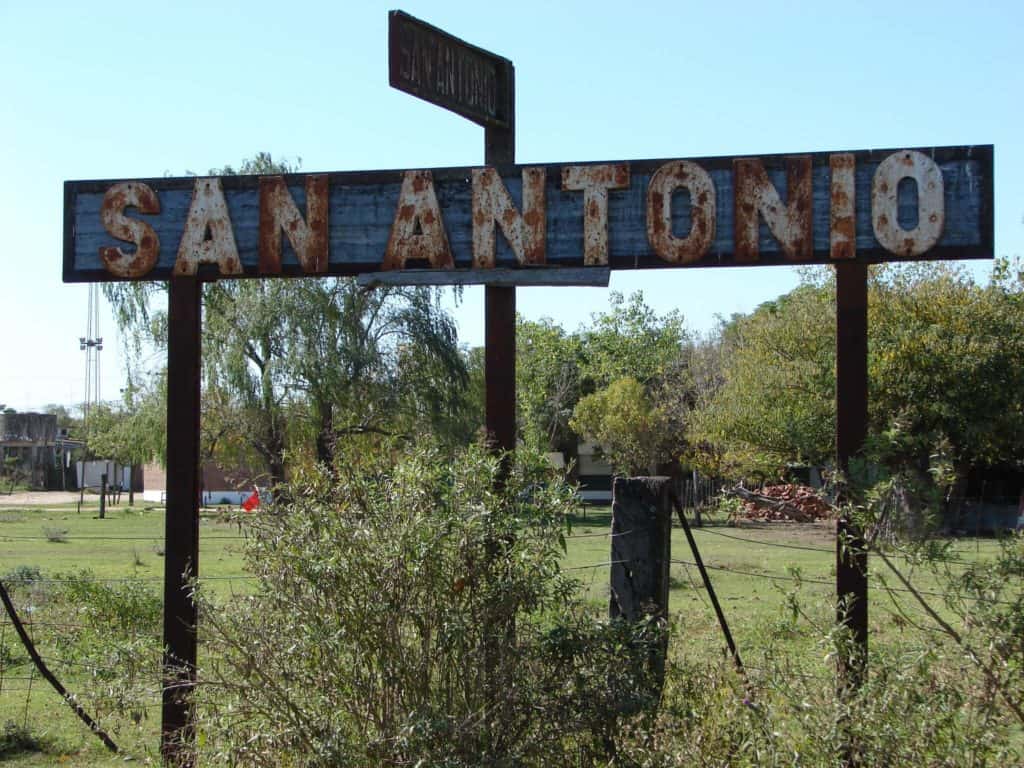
103,495
641,551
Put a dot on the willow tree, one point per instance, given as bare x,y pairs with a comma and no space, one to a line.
289,363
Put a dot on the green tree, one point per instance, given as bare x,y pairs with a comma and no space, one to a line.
548,382
637,385
132,432
775,402
631,340
946,375
293,363
381,362
947,367
244,372
634,433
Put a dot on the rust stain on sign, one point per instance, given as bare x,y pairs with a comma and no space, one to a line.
925,173
756,196
279,214
595,181
208,237
147,244
666,181
525,232
417,233
842,216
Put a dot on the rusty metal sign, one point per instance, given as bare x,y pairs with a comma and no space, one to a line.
440,68
870,206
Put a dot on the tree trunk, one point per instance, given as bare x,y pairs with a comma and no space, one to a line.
957,496
570,449
325,437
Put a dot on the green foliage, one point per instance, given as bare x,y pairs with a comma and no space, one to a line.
55,535
23,574
415,615
134,432
13,473
548,381
947,363
946,376
113,635
630,429
125,606
16,739
632,384
776,400
631,340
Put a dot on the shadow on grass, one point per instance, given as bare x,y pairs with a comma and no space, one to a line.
16,740
592,517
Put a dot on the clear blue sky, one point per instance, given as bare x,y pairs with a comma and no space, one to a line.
111,90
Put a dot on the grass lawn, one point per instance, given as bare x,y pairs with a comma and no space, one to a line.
754,569
126,545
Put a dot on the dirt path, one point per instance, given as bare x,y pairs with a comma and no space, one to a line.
37,498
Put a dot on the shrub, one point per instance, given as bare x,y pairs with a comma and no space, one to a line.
417,616
55,535
23,574
16,739
111,633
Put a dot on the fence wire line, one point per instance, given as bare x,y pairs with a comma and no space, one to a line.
811,580
605,534
807,548
66,538
123,580
595,565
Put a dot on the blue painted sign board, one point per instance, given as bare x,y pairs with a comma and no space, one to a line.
878,205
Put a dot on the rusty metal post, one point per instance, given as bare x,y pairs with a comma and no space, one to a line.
181,561
851,431
500,314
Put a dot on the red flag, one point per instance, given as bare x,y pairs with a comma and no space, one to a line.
252,502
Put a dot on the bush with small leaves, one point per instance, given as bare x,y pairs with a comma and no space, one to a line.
417,615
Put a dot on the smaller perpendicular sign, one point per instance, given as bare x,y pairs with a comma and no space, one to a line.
440,68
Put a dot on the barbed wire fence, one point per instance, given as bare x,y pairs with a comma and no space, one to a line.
98,637
814,581
112,668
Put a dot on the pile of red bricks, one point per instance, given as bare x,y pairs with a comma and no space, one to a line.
787,503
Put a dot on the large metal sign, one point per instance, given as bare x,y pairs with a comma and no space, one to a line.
444,70
881,205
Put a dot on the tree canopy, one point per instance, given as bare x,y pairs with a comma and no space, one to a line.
946,374
290,364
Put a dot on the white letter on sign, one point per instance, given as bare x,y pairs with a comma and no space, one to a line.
756,195
147,244
681,174
278,213
208,237
418,231
595,181
491,202
931,211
